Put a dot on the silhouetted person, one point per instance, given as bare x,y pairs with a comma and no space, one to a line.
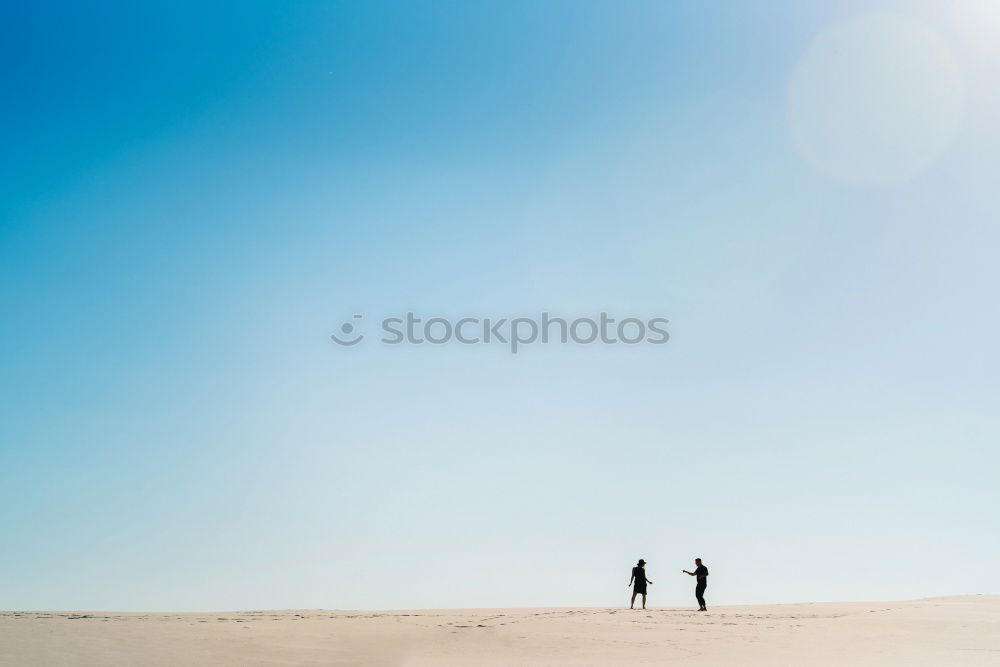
699,590
639,576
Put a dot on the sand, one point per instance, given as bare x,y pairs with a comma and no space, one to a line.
941,631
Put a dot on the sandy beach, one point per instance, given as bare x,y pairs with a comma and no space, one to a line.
941,631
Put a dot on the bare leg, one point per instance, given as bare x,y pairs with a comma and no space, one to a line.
643,600
631,606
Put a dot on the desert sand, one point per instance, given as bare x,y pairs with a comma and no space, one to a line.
941,631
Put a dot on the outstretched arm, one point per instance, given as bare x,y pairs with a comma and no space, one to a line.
686,572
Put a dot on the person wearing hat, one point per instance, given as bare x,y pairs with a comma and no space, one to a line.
639,576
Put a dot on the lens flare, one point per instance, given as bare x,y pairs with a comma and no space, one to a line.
875,100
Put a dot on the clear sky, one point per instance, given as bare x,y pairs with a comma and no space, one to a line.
196,195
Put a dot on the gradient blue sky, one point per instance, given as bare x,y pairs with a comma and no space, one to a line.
195,195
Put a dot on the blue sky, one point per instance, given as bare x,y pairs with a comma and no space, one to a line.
195,196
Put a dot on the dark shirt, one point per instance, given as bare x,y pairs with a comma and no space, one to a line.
701,573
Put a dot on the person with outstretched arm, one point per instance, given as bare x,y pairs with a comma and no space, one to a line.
701,572
639,576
